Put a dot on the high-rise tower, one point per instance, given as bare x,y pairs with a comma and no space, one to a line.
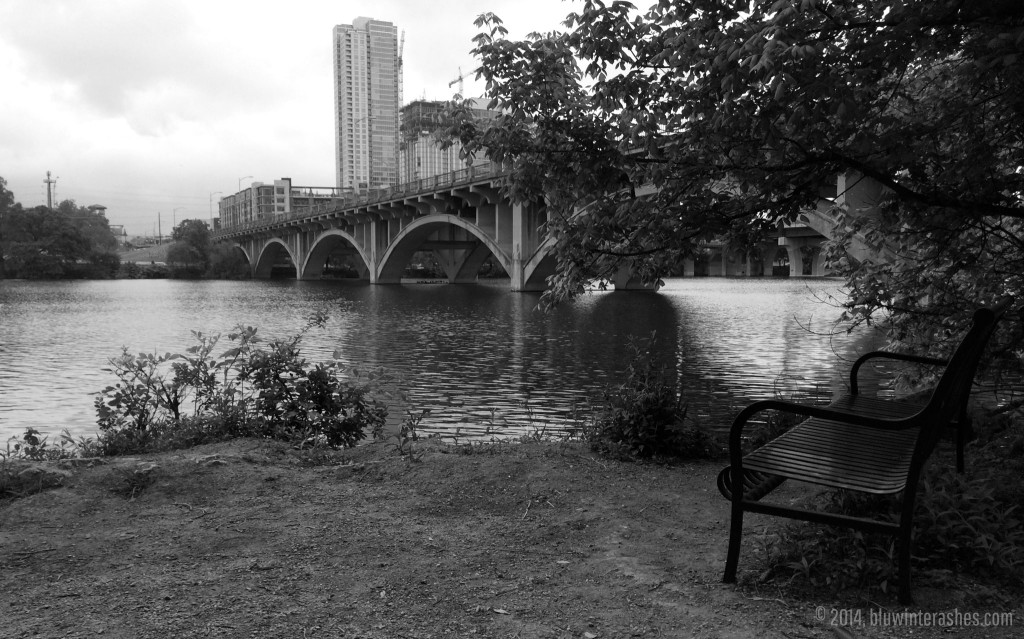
367,99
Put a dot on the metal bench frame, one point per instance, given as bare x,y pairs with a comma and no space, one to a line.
858,443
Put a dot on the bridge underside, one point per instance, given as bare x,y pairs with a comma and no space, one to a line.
460,230
464,226
460,250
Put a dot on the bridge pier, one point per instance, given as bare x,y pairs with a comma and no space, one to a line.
461,228
462,218
796,247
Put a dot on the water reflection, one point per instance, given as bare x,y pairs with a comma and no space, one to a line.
483,360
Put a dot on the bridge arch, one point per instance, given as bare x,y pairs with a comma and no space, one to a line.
248,258
262,268
416,236
539,267
323,246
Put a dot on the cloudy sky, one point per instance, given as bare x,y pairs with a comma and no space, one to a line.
153,106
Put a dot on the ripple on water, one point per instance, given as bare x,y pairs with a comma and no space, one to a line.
482,359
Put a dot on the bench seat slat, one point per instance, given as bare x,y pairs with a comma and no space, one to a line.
831,453
785,459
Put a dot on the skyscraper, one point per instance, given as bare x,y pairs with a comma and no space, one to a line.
367,99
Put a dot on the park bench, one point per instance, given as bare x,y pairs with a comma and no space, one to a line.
858,443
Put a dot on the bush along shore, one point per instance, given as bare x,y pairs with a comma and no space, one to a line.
250,390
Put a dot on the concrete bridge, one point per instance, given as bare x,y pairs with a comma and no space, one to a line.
462,218
799,247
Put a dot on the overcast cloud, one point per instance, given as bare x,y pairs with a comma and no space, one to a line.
148,106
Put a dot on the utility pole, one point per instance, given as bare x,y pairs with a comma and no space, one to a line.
49,193
159,229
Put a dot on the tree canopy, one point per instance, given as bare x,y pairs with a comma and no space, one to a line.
7,207
191,245
65,242
739,115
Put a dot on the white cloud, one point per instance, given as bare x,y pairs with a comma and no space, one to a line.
151,105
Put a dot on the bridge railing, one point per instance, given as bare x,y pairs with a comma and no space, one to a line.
421,186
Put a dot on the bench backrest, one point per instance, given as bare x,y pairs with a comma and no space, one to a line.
949,399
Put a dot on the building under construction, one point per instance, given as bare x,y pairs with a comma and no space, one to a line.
420,152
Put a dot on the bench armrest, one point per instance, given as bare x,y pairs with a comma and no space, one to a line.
918,359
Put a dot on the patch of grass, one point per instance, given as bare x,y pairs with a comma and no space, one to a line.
131,481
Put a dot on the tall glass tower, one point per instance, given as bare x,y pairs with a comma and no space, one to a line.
367,99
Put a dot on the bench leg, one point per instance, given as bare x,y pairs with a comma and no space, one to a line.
732,559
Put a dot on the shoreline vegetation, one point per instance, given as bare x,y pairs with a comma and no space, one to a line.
238,460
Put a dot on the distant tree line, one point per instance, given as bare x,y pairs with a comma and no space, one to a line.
65,242
72,241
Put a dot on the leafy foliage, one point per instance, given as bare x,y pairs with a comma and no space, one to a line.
649,133
20,474
645,416
251,389
194,233
190,253
227,262
35,446
66,242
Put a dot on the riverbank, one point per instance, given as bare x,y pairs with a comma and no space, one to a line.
250,538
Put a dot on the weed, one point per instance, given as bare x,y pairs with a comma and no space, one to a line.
27,477
645,416
408,434
35,446
133,480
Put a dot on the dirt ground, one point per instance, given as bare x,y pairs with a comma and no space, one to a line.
249,539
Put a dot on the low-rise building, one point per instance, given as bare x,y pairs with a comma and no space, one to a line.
261,202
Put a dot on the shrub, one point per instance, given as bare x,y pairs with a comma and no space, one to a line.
227,262
130,271
173,400
105,263
645,416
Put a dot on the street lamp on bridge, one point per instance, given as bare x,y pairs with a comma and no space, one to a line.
247,177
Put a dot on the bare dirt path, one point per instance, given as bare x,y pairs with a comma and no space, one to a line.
248,539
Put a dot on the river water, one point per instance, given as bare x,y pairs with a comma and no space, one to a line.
483,359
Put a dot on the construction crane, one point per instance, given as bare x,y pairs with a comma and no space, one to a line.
459,80
462,89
